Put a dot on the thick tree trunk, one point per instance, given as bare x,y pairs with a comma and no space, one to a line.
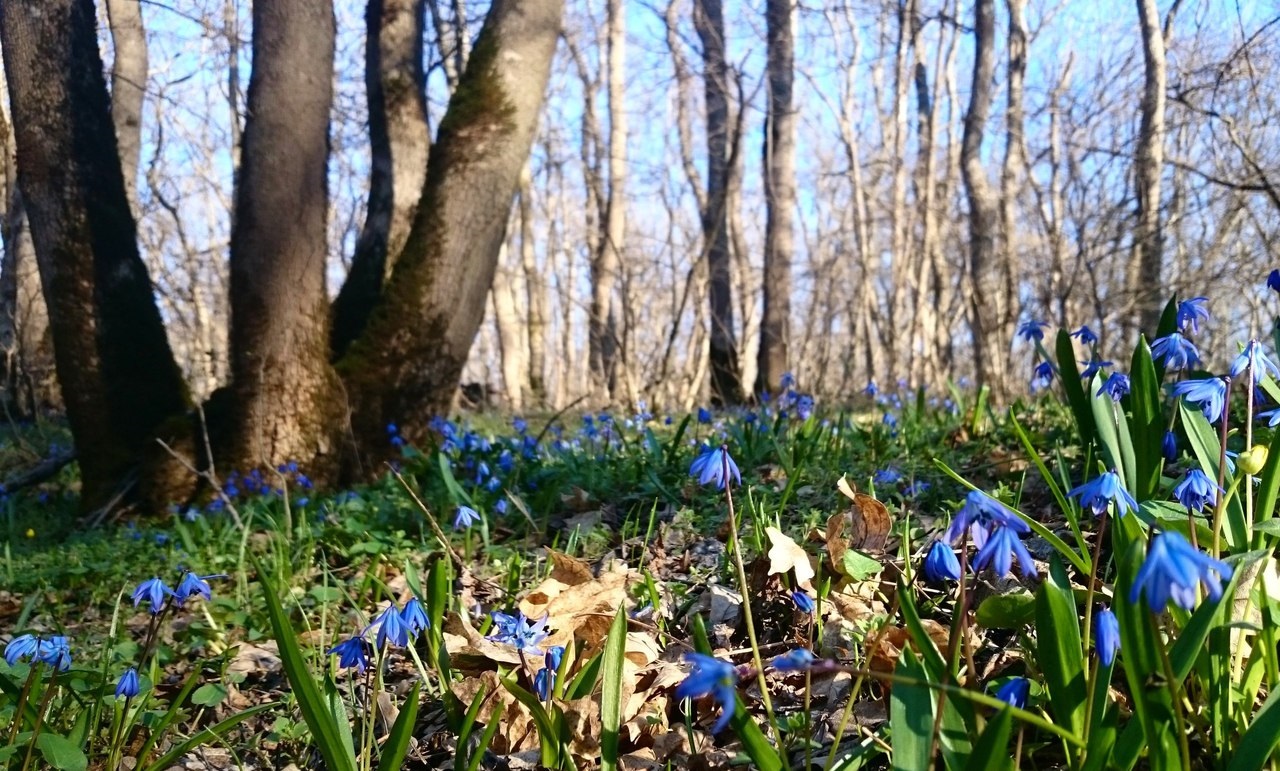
984,315
1148,164
399,142
285,398
407,365
726,382
780,196
1012,169
128,87
117,373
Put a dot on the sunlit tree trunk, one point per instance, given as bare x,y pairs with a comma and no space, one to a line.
536,290
1011,170
128,87
1146,277
780,196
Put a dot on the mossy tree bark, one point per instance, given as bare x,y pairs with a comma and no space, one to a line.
118,376
407,365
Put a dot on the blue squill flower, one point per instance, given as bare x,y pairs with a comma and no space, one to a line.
21,647
466,517
1093,367
1031,330
1042,376
1175,352
715,678
1015,692
128,686
796,660
352,652
1001,547
715,466
391,628
704,415
1116,386
1174,570
544,682
804,603
804,406
985,512
1085,335
1169,446
1209,394
414,617
1196,490
193,585
887,476
154,591
941,563
1191,313
55,651
519,631
788,381
872,389
1273,280
1106,636
1099,493
1254,359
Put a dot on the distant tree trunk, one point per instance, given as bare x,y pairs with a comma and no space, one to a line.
407,364
1011,170
780,196
285,398
536,290
726,383
118,376
128,87
1148,163
512,348
399,143
984,297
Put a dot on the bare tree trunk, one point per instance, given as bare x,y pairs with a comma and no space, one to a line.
1146,276
399,143
128,87
118,376
408,363
512,349
780,196
984,314
536,290
285,401
1014,164
726,384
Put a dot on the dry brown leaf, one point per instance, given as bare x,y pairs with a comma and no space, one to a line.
785,554
569,571
582,611
469,650
518,730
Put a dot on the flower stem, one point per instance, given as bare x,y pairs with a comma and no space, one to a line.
1222,469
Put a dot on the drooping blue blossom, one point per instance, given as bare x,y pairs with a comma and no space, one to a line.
1175,352
1031,330
1169,446
22,647
704,415
1093,367
1116,386
414,617
128,686
391,628
715,466
804,406
1254,359
1106,636
1099,493
1272,417
804,603
980,513
1273,281
500,508
941,563
1196,490
193,585
1209,394
55,651
1191,313
519,631
466,517
887,476
1042,376
715,678
1015,692
1174,570
916,488
998,552
1085,335
795,660
352,652
154,591
872,389
544,682
788,381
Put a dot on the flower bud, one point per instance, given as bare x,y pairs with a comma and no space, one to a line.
1251,462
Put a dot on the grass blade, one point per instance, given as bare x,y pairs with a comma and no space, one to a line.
615,649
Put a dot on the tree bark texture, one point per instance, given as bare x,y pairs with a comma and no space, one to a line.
399,142
984,298
118,376
780,196
286,400
1148,164
536,293
407,365
726,382
128,87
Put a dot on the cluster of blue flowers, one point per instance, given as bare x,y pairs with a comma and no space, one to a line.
51,650
395,626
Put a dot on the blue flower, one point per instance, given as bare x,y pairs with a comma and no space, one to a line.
1102,491
1000,549
788,381
704,415
979,514
519,631
1196,490
941,563
887,476
1032,330
1175,352
804,603
391,627
1015,692
1116,386
1169,446
1093,367
1106,636
1085,335
21,647
1042,376
1273,280
545,681
128,686
1173,570
1272,416
916,488
715,466
796,660
872,389
715,678
55,651
414,617
1191,313
193,585
1209,394
152,590
500,508
466,517
352,652
804,406
1253,358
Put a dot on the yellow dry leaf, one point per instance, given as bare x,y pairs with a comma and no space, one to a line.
785,554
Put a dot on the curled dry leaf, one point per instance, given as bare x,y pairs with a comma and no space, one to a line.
867,521
785,554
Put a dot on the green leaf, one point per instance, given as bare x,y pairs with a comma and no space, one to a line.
1268,488
1113,434
1259,742
911,716
991,752
615,650
1191,639
859,566
209,735
1058,648
1069,374
1207,449
548,736
397,744
61,753
1007,611
209,695
1147,423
